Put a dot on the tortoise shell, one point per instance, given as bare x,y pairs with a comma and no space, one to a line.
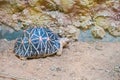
37,42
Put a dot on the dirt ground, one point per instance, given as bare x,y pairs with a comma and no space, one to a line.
79,61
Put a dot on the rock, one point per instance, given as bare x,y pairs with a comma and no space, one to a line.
58,2
67,5
4,29
33,2
86,3
60,15
115,31
117,68
54,68
85,22
102,22
33,17
98,32
99,47
71,29
101,18
103,13
68,31
61,18
6,12
109,17
114,4
76,23
72,32
21,4
114,27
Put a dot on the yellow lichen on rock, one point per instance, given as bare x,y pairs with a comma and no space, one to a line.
21,4
65,17
107,17
35,17
102,22
86,3
67,4
33,2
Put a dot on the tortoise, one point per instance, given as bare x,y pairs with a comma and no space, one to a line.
36,42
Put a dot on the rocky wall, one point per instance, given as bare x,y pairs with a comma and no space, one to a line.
65,17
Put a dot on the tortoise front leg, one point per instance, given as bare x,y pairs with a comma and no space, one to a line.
63,43
60,50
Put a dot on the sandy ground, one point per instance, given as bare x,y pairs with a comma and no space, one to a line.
80,61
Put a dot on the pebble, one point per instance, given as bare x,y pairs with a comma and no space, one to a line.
117,68
99,47
54,68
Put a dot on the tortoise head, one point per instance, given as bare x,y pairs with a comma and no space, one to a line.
64,41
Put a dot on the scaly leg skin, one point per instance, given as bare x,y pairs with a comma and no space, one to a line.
59,53
23,58
63,43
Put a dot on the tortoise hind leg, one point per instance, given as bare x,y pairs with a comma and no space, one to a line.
22,58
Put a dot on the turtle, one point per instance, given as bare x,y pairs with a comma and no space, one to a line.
36,42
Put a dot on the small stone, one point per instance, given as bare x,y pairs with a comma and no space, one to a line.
72,74
98,32
99,47
117,68
71,28
114,30
53,74
76,23
54,68
24,64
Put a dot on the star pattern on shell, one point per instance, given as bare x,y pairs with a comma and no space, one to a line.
36,42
